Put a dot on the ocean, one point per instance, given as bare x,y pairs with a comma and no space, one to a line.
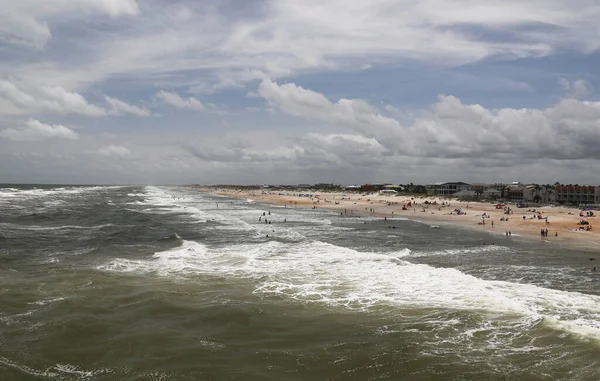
165,283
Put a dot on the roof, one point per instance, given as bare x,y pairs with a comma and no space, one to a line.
450,182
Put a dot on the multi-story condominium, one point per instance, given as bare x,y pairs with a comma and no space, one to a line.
539,194
577,194
446,189
515,192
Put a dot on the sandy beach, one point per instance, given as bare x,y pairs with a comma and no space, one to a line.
562,223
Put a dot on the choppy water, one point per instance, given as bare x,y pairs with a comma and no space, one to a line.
150,283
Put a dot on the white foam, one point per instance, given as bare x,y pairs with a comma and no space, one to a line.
44,192
50,228
471,250
314,271
174,262
47,301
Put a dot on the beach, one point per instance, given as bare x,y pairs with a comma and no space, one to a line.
170,283
562,222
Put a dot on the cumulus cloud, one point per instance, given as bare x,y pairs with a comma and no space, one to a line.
452,129
206,48
119,152
58,100
118,107
351,113
177,101
575,89
54,99
34,130
26,22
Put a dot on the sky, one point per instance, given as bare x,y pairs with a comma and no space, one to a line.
290,91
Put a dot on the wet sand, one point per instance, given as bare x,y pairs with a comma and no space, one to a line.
559,218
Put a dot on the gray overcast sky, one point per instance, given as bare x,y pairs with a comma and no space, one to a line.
289,91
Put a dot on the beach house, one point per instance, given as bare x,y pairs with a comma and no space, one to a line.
446,188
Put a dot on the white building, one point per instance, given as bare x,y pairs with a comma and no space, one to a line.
446,189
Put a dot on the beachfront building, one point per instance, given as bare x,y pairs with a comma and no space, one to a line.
500,187
478,188
328,186
447,189
515,192
491,194
465,193
535,193
394,187
371,187
577,194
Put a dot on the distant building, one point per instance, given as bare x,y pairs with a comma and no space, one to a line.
577,194
395,187
479,187
326,186
500,187
515,192
491,194
371,187
465,193
447,189
538,194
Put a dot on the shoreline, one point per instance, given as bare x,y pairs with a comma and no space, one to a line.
560,219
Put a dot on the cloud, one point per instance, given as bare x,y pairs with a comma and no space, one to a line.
575,89
177,101
118,107
55,99
34,130
26,22
119,152
451,129
351,113
211,47
92,57
58,100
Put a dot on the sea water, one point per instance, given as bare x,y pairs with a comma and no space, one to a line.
165,283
